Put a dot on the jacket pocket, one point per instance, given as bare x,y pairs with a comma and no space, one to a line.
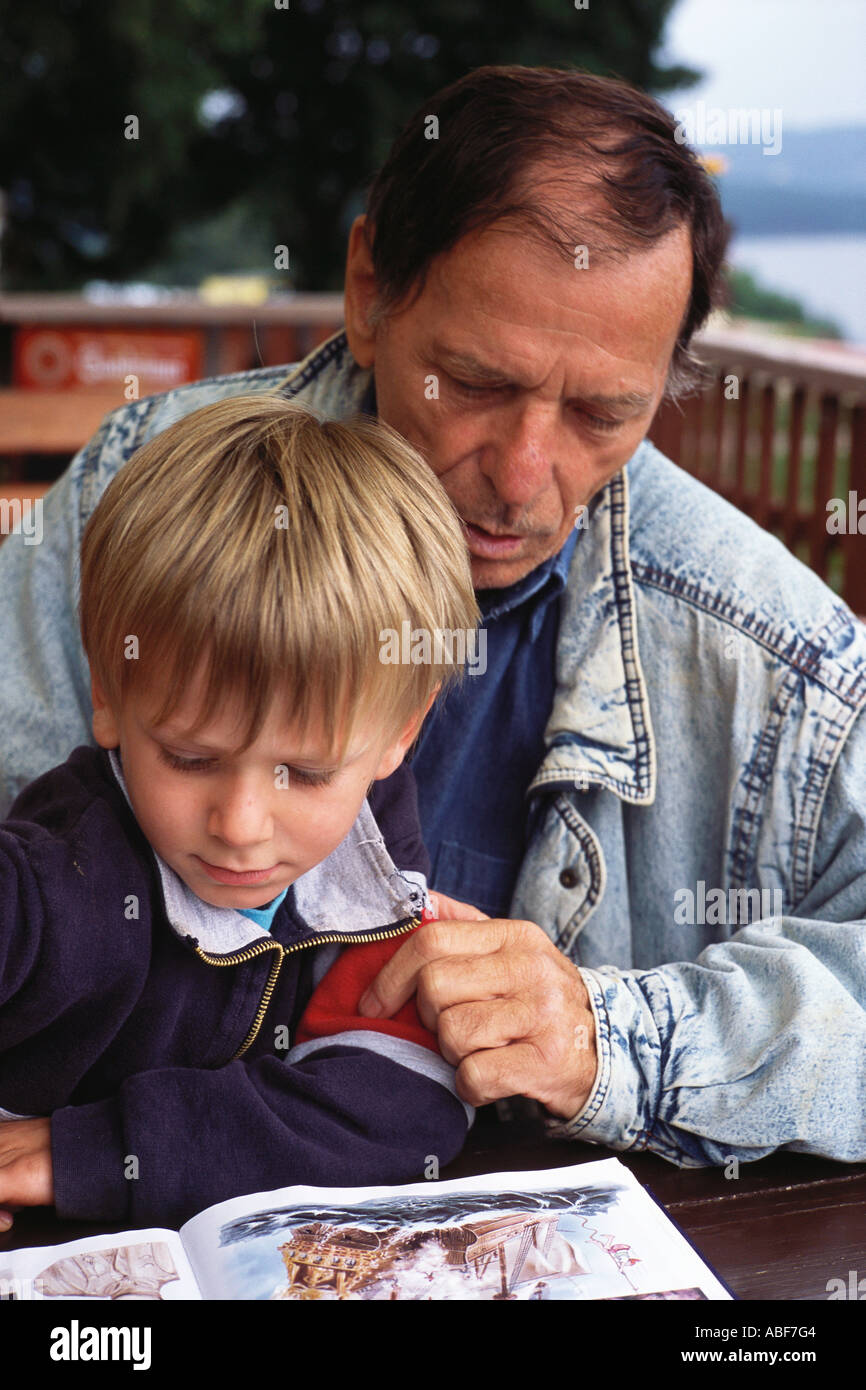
484,880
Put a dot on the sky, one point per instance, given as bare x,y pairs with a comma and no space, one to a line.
806,57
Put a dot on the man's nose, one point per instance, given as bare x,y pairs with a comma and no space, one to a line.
240,815
520,461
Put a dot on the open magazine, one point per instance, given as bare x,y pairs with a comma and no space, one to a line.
589,1231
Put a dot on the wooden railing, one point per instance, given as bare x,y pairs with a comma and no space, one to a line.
781,432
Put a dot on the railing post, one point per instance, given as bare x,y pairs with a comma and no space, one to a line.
854,544
824,481
768,434
721,481
792,520
739,497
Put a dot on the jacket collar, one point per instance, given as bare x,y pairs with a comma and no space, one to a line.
356,889
330,380
600,731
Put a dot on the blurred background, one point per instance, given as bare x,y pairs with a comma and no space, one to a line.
177,183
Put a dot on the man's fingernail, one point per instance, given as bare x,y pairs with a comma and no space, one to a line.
369,1005
5,1221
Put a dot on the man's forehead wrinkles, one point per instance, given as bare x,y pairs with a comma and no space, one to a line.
527,336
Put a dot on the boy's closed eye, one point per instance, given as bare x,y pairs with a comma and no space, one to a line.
306,777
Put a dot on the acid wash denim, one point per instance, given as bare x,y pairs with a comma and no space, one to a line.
700,845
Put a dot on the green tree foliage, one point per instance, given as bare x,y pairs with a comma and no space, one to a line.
748,299
259,120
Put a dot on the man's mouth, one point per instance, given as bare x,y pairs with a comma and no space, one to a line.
491,545
235,876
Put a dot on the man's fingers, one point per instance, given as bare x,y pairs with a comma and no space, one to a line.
452,910
453,980
476,1026
502,1071
397,979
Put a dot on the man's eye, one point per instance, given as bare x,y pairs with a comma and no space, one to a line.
598,422
184,764
471,388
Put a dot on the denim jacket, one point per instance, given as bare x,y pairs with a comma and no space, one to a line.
701,850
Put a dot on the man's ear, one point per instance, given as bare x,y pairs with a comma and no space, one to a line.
360,294
104,724
396,751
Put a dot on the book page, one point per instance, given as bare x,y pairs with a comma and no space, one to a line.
588,1231
132,1265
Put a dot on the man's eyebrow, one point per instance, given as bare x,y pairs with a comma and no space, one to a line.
464,362
626,400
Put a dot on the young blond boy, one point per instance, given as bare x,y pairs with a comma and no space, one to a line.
190,913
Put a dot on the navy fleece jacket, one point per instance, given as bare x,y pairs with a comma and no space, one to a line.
172,1042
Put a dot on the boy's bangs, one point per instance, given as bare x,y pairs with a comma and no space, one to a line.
321,689
283,552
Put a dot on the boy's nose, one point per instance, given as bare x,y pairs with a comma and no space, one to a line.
240,817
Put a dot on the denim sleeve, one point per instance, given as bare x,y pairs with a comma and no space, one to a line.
44,685
759,1044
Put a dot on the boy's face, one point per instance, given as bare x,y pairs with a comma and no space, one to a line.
227,823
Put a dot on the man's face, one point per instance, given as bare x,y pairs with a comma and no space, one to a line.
238,828
547,377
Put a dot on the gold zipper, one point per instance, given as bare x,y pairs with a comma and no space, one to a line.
250,952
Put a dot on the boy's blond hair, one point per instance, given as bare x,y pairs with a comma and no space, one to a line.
275,549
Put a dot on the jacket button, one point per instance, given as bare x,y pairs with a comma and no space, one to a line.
568,878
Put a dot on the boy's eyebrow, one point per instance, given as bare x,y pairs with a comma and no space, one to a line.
465,362
167,733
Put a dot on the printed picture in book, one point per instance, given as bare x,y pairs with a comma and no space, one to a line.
560,1244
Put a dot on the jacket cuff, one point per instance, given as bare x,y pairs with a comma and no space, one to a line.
87,1146
622,1105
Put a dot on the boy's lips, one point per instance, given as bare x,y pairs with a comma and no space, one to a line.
234,876
489,545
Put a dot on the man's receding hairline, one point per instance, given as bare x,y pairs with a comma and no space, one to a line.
541,225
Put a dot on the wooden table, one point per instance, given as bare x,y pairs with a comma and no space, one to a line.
781,1230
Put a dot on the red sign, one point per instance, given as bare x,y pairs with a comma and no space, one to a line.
134,362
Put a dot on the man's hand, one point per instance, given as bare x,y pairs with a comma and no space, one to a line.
512,1013
450,910
26,1171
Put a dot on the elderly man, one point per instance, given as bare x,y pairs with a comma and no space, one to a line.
656,791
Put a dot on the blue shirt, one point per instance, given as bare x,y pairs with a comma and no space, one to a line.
264,916
481,744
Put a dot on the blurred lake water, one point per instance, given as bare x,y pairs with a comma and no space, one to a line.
826,273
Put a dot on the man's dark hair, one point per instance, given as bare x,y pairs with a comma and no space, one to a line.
574,158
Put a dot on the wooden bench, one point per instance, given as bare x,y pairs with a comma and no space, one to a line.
51,422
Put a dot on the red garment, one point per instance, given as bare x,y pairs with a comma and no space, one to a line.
333,1007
